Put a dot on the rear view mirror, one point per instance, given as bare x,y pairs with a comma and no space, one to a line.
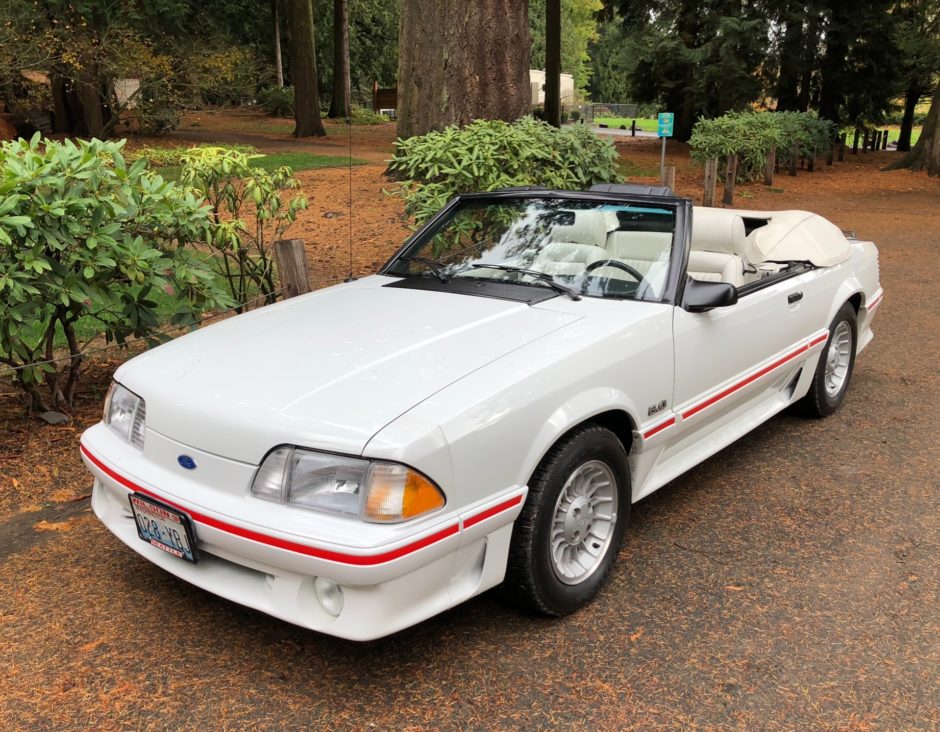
700,297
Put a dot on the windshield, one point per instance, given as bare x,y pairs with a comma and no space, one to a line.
592,248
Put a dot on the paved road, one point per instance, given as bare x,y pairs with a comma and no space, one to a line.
790,582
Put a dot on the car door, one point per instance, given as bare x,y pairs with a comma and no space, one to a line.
730,359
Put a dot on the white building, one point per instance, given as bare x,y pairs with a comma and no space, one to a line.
537,84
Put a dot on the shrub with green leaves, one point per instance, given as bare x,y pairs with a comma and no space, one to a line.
277,101
365,116
752,135
85,238
249,206
173,156
490,154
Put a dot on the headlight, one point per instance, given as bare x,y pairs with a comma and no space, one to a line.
367,489
126,414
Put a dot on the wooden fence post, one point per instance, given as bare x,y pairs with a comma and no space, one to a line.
866,142
855,143
794,158
633,129
769,166
884,141
842,148
669,177
291,258
731,173
711,180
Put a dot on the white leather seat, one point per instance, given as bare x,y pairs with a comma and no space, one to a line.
589,228
717,237
716,267
640,249
563,258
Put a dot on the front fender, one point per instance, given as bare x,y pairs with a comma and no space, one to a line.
578,409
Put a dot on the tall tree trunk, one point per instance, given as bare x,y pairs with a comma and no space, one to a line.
832,65
808,61
553,62
89,95
303,64
63,114
787,88
926,153
340,105
907,121
278,62
461,61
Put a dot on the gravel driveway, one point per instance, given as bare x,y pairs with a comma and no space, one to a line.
790,582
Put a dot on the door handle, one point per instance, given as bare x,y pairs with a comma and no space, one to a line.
794,297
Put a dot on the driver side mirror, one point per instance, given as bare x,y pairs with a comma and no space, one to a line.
700,297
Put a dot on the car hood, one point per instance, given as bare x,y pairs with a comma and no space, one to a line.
326,370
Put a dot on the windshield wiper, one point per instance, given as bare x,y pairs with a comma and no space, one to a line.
540,276
436,268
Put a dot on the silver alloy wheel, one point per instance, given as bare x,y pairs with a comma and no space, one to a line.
838,358
583,522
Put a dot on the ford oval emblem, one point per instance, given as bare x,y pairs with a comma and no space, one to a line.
187,462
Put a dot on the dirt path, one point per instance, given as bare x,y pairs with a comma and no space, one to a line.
790,582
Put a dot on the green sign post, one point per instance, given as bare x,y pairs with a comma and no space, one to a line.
666,120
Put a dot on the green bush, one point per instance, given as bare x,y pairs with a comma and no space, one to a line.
365,116
489,154
752,135
173,156
277,101
237,190
85,238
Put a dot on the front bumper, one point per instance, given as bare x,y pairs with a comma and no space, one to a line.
392,577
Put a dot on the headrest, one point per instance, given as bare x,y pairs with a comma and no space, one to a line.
648,245
589,227
716,230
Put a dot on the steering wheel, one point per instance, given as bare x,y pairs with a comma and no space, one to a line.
616,264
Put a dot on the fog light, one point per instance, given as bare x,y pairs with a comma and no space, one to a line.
329,595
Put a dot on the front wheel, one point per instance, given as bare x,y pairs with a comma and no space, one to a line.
836,362
571,527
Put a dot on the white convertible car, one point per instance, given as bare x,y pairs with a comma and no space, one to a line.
482,411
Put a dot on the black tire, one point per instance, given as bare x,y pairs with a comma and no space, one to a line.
818,402
531,580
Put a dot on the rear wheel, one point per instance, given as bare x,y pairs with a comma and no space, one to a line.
836,362
570,529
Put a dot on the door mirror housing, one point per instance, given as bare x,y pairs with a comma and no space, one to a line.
700,297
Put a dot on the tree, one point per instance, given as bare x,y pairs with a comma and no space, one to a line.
579,18
858,69
613,57
303,61
553,62
462,61
925,155
696,59
918,38
340,105
278,63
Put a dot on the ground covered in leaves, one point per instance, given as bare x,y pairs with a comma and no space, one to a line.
790,582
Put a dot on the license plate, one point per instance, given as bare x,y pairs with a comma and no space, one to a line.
164,527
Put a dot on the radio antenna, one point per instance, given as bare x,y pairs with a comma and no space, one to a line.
350,277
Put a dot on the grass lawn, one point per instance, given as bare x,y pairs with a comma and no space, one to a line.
642,123
894,132
296,160
630,169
